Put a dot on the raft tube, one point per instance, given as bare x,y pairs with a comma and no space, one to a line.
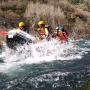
19,37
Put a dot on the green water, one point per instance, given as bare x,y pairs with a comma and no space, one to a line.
54,75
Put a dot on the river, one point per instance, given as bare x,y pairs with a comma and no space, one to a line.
47,65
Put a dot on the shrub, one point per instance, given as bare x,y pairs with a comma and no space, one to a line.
53,15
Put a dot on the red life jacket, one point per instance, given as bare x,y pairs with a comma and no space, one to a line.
42,32
62,36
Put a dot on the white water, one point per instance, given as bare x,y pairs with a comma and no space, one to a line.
45,51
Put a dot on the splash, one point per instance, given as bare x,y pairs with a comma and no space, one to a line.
44,51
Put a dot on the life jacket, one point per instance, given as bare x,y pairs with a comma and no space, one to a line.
17,31
43,32
62,36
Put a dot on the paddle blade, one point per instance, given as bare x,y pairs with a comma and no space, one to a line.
3,33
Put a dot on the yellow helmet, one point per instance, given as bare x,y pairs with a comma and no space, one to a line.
41,22
21,24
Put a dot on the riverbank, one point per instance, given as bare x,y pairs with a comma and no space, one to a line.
75,16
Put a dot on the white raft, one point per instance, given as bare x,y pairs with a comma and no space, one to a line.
16,37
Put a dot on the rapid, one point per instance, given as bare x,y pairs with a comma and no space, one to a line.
51,64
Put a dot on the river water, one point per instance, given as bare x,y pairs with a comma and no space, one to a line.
47,65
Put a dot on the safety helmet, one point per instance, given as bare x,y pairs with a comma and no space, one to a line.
61,27
57,28
21,24
41,22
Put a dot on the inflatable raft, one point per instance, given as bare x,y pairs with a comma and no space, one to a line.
18,37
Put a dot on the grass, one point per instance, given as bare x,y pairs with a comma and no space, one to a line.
53,15
74,14
11,12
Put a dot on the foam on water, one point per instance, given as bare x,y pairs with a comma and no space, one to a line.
44,51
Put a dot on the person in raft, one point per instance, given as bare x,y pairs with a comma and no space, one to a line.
23,27
42,30
61,34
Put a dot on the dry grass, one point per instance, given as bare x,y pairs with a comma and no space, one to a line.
75,17
11,12
82,6
51,14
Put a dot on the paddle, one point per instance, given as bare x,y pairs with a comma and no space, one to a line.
3,33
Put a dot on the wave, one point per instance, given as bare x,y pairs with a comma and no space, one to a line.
44,51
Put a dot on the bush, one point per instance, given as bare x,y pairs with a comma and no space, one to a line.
76,1
53,15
